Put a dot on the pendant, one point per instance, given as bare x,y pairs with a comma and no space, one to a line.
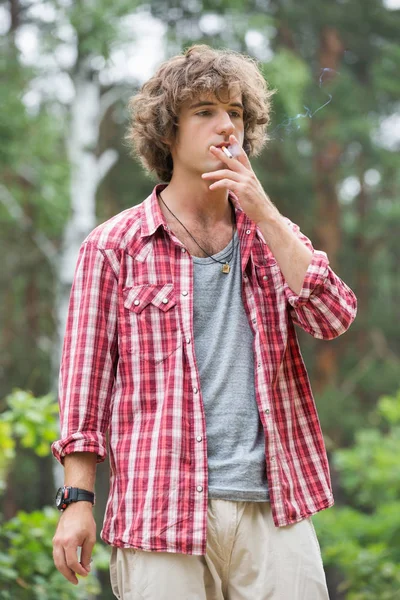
225,268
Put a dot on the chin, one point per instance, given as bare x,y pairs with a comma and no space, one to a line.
217,161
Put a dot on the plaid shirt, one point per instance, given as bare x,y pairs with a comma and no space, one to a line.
129,368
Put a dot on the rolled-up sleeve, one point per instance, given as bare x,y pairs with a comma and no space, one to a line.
325,306
89,357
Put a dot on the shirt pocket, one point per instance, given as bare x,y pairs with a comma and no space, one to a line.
152,331
269,277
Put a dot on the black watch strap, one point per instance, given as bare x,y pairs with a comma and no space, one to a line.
67,494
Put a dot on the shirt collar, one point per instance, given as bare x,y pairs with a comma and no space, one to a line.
153,218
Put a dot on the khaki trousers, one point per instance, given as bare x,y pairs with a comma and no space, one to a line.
247,558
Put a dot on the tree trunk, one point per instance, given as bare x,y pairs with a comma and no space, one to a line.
328,231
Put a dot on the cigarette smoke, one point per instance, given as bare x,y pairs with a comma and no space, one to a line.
288,124
235,150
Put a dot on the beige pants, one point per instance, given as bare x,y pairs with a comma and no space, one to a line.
247,558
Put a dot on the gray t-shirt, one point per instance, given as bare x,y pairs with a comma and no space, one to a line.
224,352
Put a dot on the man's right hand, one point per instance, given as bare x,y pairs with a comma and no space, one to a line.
76,527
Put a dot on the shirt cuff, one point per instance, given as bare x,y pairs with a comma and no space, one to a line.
80,442
315,279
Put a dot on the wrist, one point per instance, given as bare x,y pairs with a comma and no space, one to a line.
67,495
270,219
269,214
82,505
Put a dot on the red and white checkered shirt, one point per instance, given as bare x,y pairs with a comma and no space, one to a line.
129,368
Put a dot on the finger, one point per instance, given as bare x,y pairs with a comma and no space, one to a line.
234,165
71,557
61,565
242,156
86,554
221,173
223,183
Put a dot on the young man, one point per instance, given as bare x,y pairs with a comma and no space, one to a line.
181,344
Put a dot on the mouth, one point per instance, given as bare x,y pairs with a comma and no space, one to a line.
225,147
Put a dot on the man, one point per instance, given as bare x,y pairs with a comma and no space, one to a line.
180,343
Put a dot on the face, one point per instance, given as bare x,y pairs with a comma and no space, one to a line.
205,121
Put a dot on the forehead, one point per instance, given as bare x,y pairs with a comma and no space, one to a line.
225,96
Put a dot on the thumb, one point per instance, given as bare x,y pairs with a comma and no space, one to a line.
86,554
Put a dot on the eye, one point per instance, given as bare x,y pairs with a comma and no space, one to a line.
203,112
236,114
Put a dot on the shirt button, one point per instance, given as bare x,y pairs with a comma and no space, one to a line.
254,320
195,390
267,411
248,231
259,364
188,340
184,293
165,301
136,302
183,249
199,438
199,488
265,277
244,276
272,458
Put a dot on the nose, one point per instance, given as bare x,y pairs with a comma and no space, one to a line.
225,125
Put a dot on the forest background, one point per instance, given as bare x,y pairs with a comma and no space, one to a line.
332,166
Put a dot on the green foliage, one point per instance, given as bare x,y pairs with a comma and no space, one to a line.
97,25
290,75
27,571
31,140
33,421
364,541
29,421
7,450
370,471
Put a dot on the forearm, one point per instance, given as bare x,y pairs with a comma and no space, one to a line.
80,470
76,527
292,256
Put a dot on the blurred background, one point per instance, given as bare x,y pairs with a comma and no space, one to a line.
332,166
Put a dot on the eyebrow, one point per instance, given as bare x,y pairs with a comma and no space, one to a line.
208,103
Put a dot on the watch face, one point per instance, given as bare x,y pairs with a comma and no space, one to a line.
59,496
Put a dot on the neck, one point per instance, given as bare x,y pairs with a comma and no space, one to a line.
214,241
200,205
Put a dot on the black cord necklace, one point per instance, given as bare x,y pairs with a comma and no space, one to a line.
225,264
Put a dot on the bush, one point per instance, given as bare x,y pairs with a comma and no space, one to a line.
27,571
363,540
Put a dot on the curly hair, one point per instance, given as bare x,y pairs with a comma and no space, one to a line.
154,110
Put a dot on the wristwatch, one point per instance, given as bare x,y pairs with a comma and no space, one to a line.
65,495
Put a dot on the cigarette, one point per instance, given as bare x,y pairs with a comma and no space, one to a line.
226,152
